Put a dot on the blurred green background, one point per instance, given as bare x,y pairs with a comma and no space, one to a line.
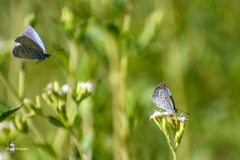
125,49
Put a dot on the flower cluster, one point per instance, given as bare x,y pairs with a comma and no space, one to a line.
56,97
167,122
83,90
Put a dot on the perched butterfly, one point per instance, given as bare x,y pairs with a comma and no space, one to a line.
162,97
30,45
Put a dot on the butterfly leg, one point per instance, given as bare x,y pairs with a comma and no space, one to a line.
39,61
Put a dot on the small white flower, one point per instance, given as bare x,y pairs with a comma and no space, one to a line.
167,113
49,86
64,89
182,118
25,100
156,113
159,113
88,86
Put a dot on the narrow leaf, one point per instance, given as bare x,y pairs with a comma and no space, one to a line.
47,148
55,122
9,112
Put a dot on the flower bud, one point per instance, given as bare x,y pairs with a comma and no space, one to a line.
20,124
48,99
157,116
83,90
30,19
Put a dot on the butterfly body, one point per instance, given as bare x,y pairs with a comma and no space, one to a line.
30,45
162,97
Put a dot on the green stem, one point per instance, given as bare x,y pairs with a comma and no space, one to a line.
10,88
80,151
171,147
69,102
72,63
117,78
22,80
174,155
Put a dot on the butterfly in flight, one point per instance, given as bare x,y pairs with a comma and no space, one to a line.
29,45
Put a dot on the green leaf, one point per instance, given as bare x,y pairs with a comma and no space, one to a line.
9,112
47,148
112,29
55,122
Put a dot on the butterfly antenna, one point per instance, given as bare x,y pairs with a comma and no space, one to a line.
184,112
55,51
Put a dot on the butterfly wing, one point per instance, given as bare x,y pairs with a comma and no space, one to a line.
26,52
29,32
28,42
164,86
162,99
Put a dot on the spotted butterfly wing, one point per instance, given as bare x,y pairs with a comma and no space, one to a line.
26,52
162,97
30,45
